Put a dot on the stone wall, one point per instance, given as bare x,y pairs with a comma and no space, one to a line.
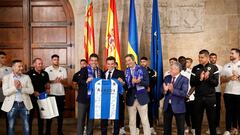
187,27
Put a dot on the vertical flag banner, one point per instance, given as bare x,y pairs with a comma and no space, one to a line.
89,43
156,53
133,32
112,35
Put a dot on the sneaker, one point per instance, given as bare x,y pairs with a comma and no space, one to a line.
187,130
208,131
122,131
137,131
226,133
85,130
193,131
153,132
218,131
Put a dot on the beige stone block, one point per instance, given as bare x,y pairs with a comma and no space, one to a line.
233,22
215,7
231,6
216,22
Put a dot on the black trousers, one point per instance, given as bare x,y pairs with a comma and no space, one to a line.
150,116
121,111
232,118
208,103
180,120
104,126
218,109
31,117
117,123
189,115
60,105
4,115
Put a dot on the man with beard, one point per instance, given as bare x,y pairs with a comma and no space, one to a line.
58,78
230,76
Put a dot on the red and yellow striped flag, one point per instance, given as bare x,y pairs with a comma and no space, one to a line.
112,35
89,43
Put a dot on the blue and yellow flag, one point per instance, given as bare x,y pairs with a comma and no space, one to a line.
133,32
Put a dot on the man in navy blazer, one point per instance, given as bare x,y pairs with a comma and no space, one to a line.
113,73
137,99
175,88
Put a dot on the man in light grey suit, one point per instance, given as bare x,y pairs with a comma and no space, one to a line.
16,88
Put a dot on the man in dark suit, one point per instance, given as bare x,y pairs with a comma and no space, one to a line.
112,73
86,75
137,80
175,89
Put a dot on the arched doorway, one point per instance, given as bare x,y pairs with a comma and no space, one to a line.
39,28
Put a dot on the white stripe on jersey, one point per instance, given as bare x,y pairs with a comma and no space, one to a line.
98,99
113,98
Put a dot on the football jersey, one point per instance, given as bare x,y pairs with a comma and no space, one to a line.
104,102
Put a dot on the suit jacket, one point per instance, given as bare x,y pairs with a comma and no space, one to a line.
132,94
116,74
9,90
178,96
83,86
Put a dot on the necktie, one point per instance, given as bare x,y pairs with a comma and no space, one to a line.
173,80
109,75
94,73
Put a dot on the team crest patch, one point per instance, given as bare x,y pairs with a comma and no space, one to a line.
50,70
198,68
60,70
6,69
209,68
42,74
114,83
238,66
34,74
229,66
98,89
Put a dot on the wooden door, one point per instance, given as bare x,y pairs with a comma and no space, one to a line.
14,29
40,28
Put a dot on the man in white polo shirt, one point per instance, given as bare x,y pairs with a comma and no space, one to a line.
57,77
230,76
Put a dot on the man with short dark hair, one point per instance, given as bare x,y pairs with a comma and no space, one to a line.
113,73
40,81
231,76
86,75
137,97
213,60
204,78
17,87
152,82
58,78
4,70
83,63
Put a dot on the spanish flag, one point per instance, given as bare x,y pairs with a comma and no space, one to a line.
112,35
89,43
133,32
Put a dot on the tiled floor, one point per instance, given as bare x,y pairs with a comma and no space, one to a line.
70,128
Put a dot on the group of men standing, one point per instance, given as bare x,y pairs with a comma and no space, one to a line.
21,93
187,93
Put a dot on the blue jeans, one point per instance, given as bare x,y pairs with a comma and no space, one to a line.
18,109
